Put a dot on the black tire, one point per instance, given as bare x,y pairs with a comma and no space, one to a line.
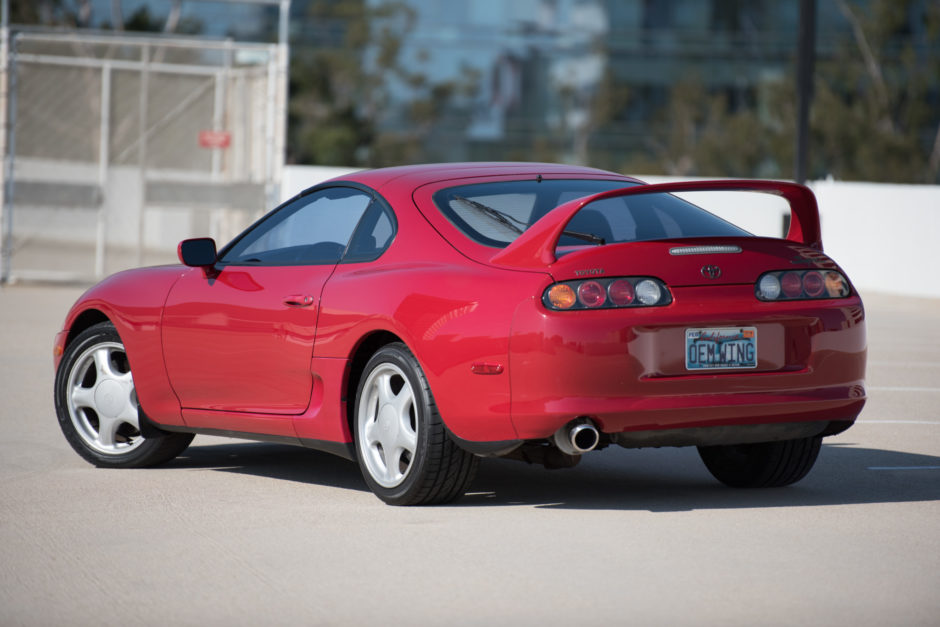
94,388
404,451
762,465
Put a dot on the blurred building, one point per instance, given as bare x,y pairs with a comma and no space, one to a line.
584,80
622,84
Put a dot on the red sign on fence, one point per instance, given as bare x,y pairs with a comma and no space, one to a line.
215,139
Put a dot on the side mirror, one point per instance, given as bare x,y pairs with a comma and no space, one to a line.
198,253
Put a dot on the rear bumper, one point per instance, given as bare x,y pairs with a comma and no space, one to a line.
625,369
614,416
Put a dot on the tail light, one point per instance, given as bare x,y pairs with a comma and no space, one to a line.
801,285
607,293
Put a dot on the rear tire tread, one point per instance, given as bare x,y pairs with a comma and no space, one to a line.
762,465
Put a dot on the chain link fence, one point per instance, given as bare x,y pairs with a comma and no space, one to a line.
121,146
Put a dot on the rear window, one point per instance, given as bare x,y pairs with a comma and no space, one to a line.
495,214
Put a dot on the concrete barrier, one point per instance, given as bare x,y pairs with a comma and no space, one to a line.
887,237
883,235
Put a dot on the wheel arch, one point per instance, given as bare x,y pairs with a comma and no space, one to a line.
367,346
86,319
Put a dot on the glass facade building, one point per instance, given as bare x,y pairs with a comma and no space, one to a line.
689,87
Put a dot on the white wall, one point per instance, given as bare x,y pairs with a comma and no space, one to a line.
886,237
297,178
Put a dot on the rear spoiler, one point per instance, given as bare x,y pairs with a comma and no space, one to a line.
535,248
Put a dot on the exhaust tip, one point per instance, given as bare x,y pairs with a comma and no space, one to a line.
584,437
577,437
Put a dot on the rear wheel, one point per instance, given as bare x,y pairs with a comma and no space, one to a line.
403,449
762,465
96,404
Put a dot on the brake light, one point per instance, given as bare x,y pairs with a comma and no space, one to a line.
613,293
792,285
591,294
813,284
621,292
801,285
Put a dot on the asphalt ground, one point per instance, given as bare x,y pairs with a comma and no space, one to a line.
242,533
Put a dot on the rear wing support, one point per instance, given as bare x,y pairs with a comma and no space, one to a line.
535,248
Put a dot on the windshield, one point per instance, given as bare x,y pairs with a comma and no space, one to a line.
495,214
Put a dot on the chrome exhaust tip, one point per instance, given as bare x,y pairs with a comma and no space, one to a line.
577,437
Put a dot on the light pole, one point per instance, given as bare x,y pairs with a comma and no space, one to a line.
806,58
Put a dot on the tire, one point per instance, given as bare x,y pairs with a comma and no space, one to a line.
762,465
404,451
96,404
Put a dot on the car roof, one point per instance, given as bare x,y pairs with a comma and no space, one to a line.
415,176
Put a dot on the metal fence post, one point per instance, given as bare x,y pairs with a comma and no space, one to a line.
103,159
4,58
6,224
77,145
142,112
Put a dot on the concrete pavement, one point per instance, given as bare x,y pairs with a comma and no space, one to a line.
241,533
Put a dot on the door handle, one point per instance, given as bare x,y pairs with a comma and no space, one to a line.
299,300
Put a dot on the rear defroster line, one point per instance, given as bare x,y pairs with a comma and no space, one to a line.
904,468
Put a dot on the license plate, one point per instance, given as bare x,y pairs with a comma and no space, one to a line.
727,347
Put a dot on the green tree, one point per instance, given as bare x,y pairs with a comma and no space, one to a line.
345,67
876,115
49,12
700,134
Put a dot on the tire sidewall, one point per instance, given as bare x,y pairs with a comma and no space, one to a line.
400,356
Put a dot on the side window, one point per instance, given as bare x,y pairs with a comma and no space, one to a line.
314,229
374,234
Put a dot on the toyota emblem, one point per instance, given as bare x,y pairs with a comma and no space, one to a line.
711,272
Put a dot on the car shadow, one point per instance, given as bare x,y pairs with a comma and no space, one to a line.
656,480
275,461
671,480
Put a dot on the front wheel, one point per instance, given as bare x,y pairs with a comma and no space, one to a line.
403,449
96,404
762,465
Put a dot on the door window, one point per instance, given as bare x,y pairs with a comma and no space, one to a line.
313,229
374,234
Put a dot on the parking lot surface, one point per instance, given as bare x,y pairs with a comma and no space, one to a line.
243,533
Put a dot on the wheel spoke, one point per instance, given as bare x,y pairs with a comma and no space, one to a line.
371,432
130,415
383,385
392,457
407,440
126,379
403,400
103,364
83,397
107,430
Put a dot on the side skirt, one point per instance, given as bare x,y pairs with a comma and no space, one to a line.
150,429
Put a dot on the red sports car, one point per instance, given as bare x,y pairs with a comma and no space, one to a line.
418,318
